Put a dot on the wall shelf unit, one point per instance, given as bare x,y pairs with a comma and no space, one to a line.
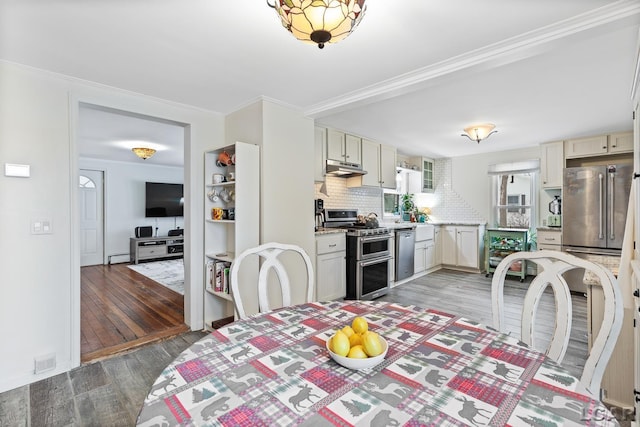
223,238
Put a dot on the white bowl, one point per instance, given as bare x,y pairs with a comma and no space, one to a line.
358,364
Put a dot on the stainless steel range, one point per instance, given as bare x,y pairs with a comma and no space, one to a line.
369,255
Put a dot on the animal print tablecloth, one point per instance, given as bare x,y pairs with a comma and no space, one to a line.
440,370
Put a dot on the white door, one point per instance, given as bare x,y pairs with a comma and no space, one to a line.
90,203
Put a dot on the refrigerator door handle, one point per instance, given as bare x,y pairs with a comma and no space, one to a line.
600,207
612,177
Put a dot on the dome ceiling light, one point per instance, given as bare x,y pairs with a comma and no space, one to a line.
479,132
319,21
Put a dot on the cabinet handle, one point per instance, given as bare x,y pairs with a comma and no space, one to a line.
604,148
333,246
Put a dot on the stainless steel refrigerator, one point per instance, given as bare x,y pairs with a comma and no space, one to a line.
594,211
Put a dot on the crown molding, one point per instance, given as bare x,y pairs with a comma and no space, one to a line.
505,51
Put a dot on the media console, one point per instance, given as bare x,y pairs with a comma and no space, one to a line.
150,248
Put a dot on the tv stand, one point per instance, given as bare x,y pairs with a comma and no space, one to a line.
154,248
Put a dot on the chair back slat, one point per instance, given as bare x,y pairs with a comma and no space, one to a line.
269,253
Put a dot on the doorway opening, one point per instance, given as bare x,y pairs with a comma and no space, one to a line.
121,308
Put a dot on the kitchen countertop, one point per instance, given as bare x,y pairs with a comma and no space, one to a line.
321,231
549,228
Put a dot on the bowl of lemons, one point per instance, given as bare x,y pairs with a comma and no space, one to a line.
356,347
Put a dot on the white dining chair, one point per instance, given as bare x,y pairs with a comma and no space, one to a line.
269,255
554,264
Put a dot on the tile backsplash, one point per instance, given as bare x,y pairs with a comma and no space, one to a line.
444,202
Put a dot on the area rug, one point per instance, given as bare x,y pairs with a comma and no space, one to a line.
169,273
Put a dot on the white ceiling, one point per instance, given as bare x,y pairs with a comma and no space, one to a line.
412,75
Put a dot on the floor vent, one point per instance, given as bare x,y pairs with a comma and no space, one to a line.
45,363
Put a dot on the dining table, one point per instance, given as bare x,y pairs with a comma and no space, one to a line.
440,369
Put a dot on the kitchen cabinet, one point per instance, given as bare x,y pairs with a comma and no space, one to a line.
343,148
599,145
425,256
621,142
223,238
331,266
427,175
462,246
551,164
500,243
380,163
320,154
549,239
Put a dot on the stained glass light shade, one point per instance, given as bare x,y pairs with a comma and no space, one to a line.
143,153
320,21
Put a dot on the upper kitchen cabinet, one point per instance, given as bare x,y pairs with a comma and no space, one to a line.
427,175
344,148
621,142
320,154
379,161
599,145
551,164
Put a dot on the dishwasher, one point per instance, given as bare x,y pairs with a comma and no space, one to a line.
405,252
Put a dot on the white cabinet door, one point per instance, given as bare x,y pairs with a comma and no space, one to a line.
621,142
449,245
585,147
335,145
427,175
419,258
438,246
430,256
370,163
552,162
353,149
467,246
331,273
387,166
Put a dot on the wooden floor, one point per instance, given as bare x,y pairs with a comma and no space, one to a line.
122,309
111,391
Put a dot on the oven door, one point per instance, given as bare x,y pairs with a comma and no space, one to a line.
373,277
370,247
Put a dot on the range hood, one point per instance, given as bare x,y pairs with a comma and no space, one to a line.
344,169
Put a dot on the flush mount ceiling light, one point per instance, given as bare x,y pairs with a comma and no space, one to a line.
479,132
319,21
143,153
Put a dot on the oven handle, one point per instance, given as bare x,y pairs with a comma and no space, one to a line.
375,261
375,238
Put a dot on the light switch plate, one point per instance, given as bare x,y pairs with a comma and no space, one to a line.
20,171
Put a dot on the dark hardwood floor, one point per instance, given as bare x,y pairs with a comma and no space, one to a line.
111,391
122,309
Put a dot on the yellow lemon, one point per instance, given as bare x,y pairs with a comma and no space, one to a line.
339,344
357,352
371,343
355,339
348,331
359,325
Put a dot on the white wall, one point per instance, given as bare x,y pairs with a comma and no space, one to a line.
40,294
286,140
124,201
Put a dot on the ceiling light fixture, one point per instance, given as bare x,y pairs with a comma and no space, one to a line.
143,153
479,132
319,21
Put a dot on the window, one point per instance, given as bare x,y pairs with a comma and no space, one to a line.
514,186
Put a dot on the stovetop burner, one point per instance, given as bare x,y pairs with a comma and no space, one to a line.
362,230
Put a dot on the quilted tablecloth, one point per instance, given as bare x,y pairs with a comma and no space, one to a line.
440,370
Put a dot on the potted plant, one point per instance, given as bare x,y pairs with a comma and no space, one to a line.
408,206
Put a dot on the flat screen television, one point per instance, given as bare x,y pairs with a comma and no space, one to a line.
163,199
